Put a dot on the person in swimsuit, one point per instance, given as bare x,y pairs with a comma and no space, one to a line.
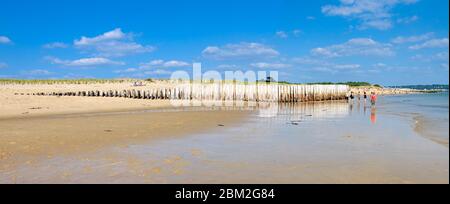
373,98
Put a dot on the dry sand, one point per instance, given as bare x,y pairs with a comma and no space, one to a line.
14,105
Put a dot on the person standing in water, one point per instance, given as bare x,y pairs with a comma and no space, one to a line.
373,98
351,97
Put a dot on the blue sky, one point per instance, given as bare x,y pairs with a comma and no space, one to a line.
391,42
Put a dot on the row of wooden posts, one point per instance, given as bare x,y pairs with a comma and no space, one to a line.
224,92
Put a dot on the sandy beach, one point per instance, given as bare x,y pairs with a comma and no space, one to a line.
15,102
49,139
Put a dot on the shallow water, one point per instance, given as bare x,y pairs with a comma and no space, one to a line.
328,142
428,112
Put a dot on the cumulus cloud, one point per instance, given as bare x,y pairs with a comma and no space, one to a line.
84,62
353,47
264,65
55,45
154,66
114,43
115,34
433,43
241,50
5,40
369,13
412,39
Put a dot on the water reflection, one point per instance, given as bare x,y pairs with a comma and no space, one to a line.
355,106
303,111
373,115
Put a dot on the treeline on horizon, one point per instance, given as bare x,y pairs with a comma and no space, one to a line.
423,87
349,83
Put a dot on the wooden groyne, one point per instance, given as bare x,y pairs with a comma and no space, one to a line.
222,92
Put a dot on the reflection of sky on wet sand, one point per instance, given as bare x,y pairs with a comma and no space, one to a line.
327,142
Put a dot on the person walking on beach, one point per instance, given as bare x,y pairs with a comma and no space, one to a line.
365,96
351,97
373,98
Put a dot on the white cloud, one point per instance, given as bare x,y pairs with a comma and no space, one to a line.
441,56
5,40
175,63
412,39
36,72
353,47
146,68
114,43
433,43
324,69
324,52
55,45
281,34
347,66
296,32
158,72
369,13
311,18
228,66
129,70
379,65
84,62
165,64
322,65
3,65
408,20
308,61
241,50
264,65
115,34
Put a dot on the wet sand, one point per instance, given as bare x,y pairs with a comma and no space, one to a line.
329,142
50,136
431,129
